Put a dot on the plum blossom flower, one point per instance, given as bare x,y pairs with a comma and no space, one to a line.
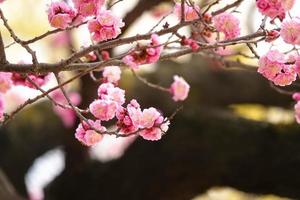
103,109
290,31
228,24
67,116
273,8
273,67
271,64
156,131
148,117
86,134
112,74
129,117
5,81
107,91
60,15
146,56
191,13
88,7
286,76
106,26
179,89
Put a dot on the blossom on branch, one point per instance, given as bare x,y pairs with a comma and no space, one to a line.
38,79
86,134
179,89
60,15
273,67
106,26
149,54
108,91
112,74
274,8
129,118
103,109
228,24
290,31
156,131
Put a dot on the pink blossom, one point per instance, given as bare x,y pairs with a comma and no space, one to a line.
131,61
5,81
190,42
228,24
116,94
286,76
290,32
155,132
106,26
272,35
103,109
191,13
86,134
39,80
60,15
148,117
149,55
271,64
272,8
107,91
105,55
88,7
179,89
129,117
273,67
103,88
296,96
67,116
112,74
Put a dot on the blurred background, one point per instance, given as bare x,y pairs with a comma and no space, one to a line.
236,137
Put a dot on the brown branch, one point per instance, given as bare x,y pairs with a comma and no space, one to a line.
2,51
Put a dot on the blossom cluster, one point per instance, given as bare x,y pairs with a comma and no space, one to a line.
281,68
274,8
128,119
102,24
275,67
